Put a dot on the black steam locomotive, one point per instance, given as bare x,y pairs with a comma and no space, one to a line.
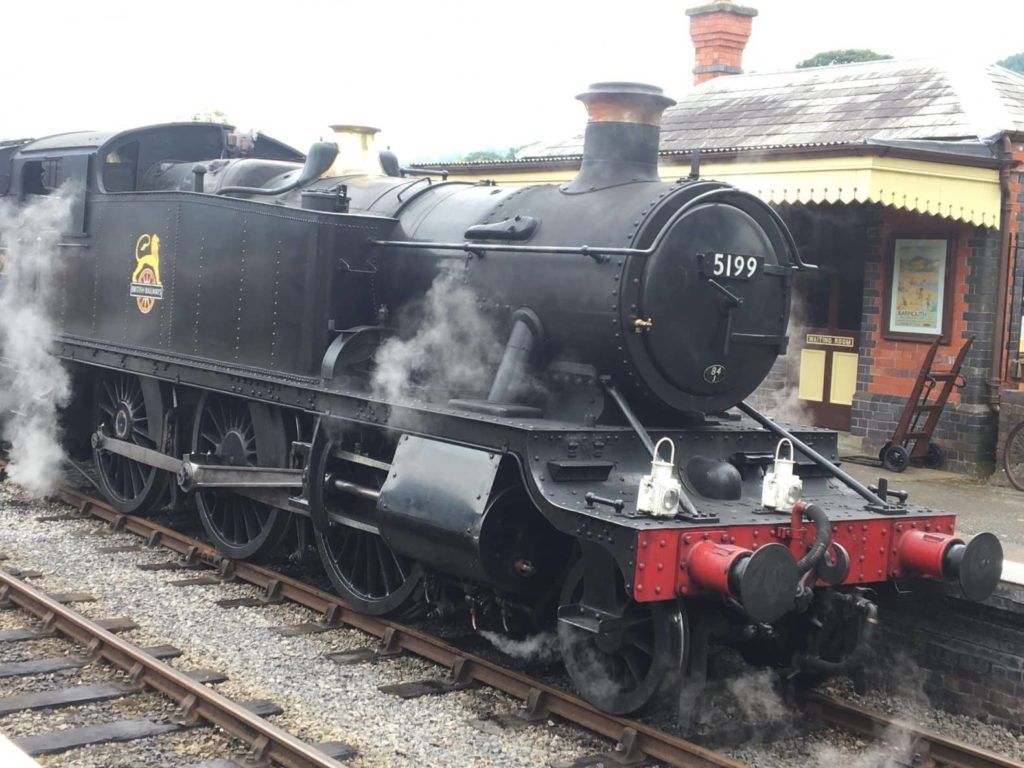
305,349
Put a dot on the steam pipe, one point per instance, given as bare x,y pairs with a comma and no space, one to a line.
822,539
812,454
526,335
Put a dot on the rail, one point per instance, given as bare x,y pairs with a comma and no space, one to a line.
927,747
541,698
195,699
636,739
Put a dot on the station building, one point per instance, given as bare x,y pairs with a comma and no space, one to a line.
902,181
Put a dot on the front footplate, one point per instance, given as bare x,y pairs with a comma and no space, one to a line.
192,474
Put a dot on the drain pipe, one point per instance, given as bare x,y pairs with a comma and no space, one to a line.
1003,274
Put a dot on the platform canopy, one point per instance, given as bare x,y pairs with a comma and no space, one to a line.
962,193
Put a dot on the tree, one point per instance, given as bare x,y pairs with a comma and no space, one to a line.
211,116
847,56
1015,62
490,155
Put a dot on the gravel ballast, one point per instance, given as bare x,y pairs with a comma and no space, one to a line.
325,701
321,700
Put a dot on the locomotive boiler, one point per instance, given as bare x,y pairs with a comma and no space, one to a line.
519,404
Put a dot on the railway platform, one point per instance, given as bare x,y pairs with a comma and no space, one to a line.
980,505
12,757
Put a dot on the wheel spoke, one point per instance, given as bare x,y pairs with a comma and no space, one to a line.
252,522
635,663
224,427
642,644
382,564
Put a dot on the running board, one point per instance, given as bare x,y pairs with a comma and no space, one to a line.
193,475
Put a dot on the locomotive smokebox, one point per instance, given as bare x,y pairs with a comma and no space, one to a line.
621,141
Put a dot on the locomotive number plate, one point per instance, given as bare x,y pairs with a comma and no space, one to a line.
731,266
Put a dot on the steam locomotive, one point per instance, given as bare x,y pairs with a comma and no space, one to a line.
517,404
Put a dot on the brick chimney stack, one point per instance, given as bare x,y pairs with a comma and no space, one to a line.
719,31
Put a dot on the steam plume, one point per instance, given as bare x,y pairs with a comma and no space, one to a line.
451,348
784,404
542,647
33,383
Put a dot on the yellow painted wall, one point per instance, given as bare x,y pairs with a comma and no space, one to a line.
957,192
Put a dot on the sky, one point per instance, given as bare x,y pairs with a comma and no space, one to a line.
439,77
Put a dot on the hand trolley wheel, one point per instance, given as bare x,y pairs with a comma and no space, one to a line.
895,458
936,456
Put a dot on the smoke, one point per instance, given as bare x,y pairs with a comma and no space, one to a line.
452,346
757,697
892,750
901,692
33,382
542,647
783,404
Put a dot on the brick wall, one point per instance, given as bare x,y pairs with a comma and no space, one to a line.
967,657
888,368
967,431
720,32
1016,276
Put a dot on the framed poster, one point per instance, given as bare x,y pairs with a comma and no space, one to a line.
917,296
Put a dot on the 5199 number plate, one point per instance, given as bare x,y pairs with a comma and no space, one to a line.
732,266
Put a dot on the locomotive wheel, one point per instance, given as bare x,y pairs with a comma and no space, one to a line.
629,670
361,565
241,434
130,408
895,458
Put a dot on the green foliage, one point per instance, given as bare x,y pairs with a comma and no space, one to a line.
1015,62
847,56
211,116
490,155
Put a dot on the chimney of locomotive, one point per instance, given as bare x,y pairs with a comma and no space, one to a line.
720,31
621,140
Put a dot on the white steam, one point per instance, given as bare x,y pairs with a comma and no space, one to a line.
542,647
784,404
452,347
757,697
892,750
33,383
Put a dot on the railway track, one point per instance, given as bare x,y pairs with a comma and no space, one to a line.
927,748
147,671
634,740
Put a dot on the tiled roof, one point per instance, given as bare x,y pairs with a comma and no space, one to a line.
851,103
